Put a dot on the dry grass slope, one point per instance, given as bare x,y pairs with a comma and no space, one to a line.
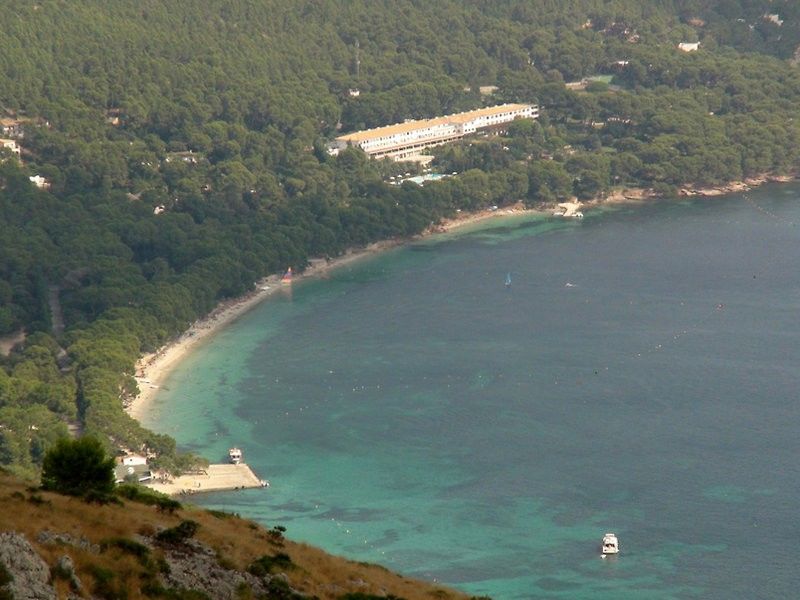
237,542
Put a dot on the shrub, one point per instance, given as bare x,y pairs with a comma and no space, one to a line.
276,535
104,581
168,505
130,491
101,498
178,534
264,565
154,589
597,87
37,500
225,562
278,589
128,546
244,592
143,495
78,467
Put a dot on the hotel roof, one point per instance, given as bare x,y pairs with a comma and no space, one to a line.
368,134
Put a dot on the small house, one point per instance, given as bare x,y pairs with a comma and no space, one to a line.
132,460
774,18
40,182
114,116
189,157
11,145
139,473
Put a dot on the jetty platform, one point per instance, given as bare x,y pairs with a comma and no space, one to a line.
214,478
569,209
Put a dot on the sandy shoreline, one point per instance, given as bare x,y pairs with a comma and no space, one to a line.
152,369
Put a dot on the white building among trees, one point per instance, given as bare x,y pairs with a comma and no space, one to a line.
402,140
11,145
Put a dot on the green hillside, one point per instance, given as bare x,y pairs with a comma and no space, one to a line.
216,116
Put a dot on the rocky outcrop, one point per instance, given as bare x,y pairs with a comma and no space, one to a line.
66,569
191,565
65,539
194,566
29,574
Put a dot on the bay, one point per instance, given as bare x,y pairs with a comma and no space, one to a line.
639,375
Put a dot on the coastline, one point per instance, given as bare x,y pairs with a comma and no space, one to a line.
153,369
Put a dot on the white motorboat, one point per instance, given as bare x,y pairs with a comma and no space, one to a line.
235,455
610,544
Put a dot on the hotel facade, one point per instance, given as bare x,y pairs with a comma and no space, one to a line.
402,140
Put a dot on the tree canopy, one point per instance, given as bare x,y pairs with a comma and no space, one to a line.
78,468
184,145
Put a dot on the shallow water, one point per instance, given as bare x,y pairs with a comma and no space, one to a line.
638,376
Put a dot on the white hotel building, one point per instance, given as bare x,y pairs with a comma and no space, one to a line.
402,140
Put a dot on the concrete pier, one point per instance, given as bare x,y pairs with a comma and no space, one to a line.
214,478
569,209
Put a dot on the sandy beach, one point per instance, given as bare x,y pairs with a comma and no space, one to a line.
152,369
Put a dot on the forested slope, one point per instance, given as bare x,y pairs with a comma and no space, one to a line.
215,115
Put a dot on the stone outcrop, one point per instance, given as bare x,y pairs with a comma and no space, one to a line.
191,566
194,566
65,539
66,569
30,575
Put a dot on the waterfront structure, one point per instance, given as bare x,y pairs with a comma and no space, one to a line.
402,140
214,478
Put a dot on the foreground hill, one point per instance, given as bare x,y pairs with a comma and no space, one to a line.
59,546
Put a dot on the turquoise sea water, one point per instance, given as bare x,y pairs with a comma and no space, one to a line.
638,376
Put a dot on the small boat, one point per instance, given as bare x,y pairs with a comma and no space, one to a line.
610,544
287,277
508,280
235,455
